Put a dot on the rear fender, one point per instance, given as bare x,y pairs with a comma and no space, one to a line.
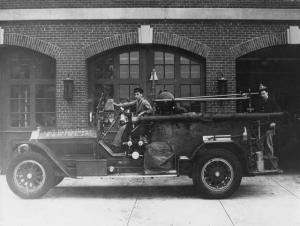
44,150
230,146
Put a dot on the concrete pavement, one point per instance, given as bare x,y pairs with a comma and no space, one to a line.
263,200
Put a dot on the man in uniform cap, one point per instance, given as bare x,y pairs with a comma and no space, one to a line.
142,107
267,105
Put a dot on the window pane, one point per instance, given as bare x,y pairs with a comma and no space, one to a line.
45,91
185,90
19,105
193,62
20,120
185,71
134,57
131,93
45,105
45,68
159,71
106,91
134,71
45,119
124,93
159,88
170,88
124,58
184,60
20,71
169,70
40,105
158,57
19,102
195,71
169,58
124,71
104,68
19,91
195,90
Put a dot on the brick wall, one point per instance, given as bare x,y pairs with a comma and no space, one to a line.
73,37
9,4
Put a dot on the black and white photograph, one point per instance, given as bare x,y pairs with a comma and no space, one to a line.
150,113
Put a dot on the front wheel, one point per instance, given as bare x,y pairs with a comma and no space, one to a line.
217,174
30,175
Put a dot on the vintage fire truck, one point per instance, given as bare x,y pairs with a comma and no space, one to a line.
214,150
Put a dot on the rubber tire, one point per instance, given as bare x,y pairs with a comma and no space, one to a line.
43,161
204,158
57,180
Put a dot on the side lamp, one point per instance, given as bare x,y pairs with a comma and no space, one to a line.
222,84
68,88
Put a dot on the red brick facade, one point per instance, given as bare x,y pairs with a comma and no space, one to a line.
71,43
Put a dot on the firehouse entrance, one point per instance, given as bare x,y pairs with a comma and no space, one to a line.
117,72
278,68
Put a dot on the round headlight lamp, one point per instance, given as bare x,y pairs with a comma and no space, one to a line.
140,143
23,148
129,143
135,155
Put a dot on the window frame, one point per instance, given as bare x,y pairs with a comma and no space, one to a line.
146,64
13,53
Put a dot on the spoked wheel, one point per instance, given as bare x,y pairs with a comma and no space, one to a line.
217,174
30,175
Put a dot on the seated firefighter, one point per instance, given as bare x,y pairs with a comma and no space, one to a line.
267,105
142,107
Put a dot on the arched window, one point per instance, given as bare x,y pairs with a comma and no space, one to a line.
115,74
30,88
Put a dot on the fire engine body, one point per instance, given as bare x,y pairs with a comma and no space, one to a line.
215,150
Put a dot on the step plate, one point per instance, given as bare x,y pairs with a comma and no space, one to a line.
266,172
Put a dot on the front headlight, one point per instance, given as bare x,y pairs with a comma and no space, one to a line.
23,148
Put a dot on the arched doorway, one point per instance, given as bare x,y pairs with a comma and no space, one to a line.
27,91
278,68
27,88
115,73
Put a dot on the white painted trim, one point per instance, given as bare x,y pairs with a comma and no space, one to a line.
149,14
1,36
293,35
145,33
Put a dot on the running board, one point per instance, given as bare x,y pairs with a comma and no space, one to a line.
110,151
266,172
132,175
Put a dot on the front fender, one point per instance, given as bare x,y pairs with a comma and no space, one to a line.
46,151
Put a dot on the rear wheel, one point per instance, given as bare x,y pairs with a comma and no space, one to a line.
30,175
217,174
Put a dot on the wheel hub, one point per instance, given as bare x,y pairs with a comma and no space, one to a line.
217,174
29,176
